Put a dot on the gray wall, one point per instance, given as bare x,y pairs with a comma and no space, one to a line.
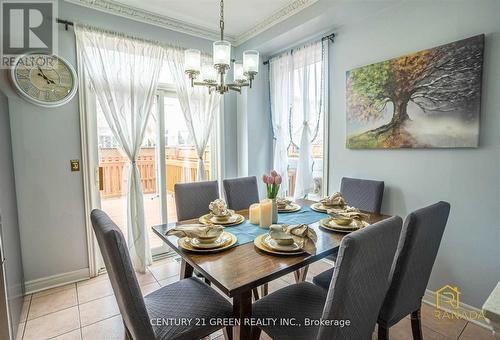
50,197
9,221
468,178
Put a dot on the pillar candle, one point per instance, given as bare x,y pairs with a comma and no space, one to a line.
266,213
255,213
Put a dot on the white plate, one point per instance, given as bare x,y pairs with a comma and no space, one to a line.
270,242
217,243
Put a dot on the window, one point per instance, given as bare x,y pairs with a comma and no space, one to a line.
297,81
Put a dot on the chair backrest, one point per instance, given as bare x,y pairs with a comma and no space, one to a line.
241,192
192,199
417,250
122,276
362,193
360,280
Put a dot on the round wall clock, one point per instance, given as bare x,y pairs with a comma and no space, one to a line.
43,79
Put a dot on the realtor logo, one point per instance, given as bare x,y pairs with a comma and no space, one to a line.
448,305
448,295
27,26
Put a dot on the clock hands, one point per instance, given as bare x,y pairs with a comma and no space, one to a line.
47,79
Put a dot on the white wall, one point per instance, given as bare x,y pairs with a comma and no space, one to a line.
50,197
467,178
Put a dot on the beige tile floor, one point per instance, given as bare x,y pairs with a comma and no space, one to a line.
87,310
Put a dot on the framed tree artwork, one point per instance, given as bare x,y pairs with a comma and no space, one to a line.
428,99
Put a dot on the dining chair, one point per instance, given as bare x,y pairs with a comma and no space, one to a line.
192,199
417,250
356,292
363,194
241,192
147,318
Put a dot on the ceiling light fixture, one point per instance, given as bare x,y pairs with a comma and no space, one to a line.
244,71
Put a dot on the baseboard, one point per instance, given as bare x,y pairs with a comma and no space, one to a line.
464,309
57,280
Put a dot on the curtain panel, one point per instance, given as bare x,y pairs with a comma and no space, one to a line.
198,106
124,75
297,83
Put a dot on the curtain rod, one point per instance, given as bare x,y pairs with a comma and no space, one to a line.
329,37
66,23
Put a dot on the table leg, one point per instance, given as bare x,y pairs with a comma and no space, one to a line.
242,309
186,270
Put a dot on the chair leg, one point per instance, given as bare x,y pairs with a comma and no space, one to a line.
256,333
264,289
255,292
416,325
383,333
228,333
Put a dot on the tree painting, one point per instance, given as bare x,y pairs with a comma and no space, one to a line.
428,99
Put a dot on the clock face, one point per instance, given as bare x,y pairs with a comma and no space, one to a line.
43,79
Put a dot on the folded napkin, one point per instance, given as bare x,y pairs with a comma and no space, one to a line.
282,202
219,208
334,200
349,212
196,231
302,234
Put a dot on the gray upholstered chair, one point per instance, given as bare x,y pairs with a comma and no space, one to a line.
241,192
356,292
415,256
188,298
363,194
192,199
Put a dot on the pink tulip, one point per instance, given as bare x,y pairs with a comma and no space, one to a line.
264,178
270,180
274,173
277,179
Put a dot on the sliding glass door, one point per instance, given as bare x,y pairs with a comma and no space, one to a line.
167,157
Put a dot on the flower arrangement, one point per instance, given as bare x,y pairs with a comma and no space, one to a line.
273,182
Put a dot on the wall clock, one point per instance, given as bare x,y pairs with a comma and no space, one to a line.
43,79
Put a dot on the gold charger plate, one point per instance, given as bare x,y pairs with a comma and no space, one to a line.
328,224
293,207
319,207
185,244
258,242
206,219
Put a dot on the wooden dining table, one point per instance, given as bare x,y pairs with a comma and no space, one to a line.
240,270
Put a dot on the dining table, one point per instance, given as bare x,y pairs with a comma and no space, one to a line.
240,270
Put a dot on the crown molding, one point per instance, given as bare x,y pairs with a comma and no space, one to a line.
278,16
116,8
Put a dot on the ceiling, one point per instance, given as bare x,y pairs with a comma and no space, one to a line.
243,18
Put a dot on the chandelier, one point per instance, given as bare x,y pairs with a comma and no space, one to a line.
214,76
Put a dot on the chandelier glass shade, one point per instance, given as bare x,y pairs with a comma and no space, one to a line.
213,76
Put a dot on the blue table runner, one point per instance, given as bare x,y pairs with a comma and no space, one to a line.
247,232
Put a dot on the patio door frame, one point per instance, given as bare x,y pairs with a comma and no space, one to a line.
90,162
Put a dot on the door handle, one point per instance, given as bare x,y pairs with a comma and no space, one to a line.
101,178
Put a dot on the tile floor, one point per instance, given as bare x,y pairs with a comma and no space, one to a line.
87,310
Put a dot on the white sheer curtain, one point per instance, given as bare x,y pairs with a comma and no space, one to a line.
198,106
307,94
280,70
124,74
